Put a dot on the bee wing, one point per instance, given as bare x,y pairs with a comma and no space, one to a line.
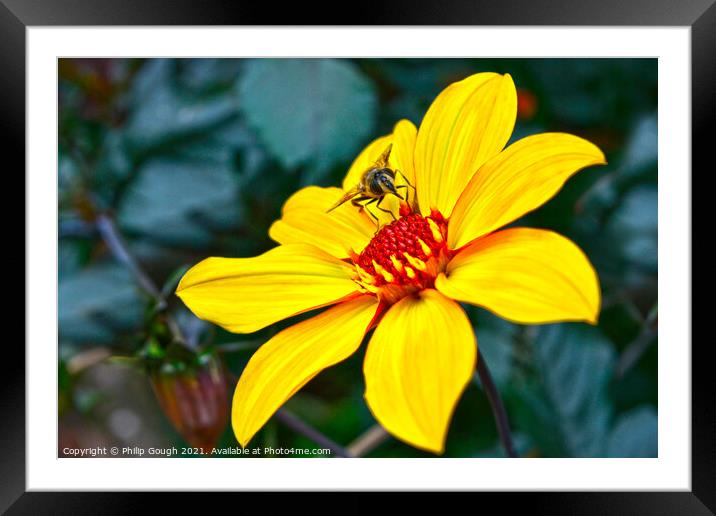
346,197
382,161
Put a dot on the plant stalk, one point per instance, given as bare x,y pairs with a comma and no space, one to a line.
308,431
115,242
498,408
368,441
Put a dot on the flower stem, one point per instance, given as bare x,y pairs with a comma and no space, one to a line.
498,409
368,441
314,435
115,242
636,349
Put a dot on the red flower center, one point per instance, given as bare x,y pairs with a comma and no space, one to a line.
404,256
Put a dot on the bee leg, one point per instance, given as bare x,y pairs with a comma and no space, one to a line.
405,178
407,194
383,209
404,186
362,207
355,202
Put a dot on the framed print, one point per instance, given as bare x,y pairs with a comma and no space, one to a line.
360,258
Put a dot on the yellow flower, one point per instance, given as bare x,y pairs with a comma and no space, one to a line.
405,280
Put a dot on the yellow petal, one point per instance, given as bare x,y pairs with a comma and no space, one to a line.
528,276
467,124
521,178
246,294
418,362
304,220
404,134
402,140
289,360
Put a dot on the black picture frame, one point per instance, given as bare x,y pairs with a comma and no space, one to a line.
17,15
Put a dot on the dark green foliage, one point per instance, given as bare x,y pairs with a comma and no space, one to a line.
309,112
567,400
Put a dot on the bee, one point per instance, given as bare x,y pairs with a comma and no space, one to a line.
375,183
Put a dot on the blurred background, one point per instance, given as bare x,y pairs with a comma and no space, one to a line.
165,162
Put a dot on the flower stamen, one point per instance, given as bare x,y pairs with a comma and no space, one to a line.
396,263
435,230
404,256
380,270
417,264
426,250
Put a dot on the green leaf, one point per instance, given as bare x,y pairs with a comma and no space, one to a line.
635,434
163,113
312,112
181,202
69,258
633,228
97,303
68,176
642,147
568,402
208,74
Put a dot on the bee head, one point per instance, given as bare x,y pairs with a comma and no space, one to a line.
387,182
